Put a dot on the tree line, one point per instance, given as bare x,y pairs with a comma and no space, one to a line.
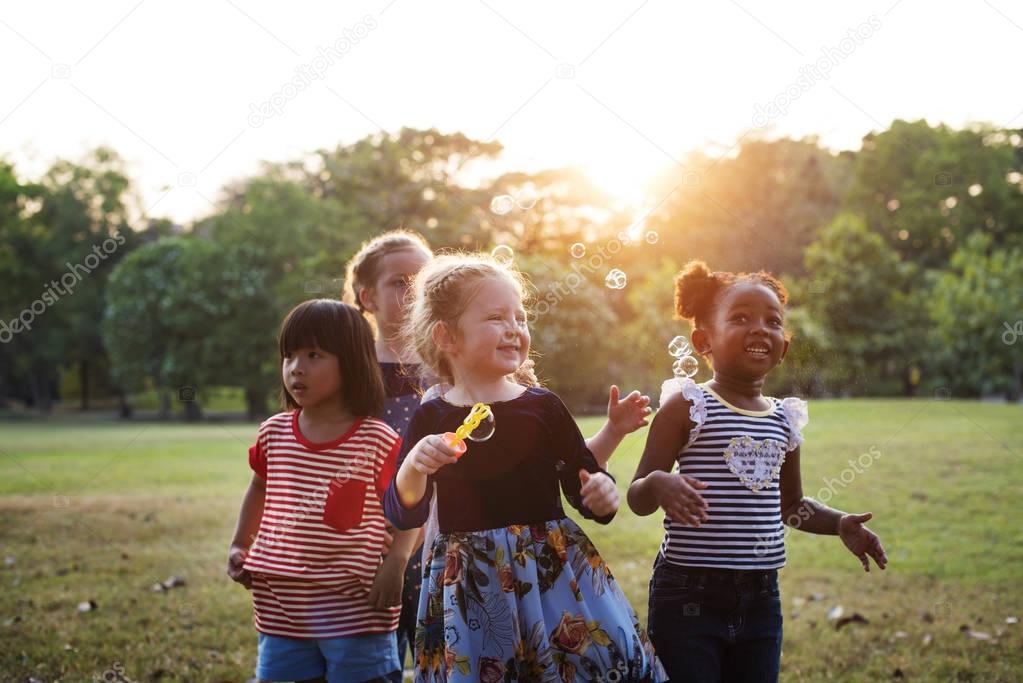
904,259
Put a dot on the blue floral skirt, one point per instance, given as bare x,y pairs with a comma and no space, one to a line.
526,603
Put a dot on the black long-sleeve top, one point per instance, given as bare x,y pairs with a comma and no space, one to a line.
512,478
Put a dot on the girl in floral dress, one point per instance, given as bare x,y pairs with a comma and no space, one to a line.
514,589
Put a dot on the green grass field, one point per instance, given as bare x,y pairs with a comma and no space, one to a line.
102,511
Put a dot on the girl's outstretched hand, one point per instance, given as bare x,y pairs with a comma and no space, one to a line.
679,496
861,541
431,453
599,493
628,414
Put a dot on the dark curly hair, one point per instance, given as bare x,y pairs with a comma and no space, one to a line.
698,290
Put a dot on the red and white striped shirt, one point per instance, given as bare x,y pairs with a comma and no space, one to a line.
322,533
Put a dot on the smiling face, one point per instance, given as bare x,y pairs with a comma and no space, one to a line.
745,337
387,298
491,339
311,376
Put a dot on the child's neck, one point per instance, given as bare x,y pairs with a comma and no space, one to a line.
325,421
468,390
390,350
743,392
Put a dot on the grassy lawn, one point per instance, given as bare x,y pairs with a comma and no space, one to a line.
102,511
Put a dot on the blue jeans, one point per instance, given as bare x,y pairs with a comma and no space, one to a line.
339,660
716,625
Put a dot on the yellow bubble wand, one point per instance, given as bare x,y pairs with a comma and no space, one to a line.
456,439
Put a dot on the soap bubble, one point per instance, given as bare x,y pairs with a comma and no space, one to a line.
485,430
652,237
578,250
616,279
687,365
679,346
502,204
526,197
504,254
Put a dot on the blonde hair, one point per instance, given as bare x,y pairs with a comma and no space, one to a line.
362,269
441,293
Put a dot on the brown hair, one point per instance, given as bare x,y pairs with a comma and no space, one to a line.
341,330
698,290
441,293
362,269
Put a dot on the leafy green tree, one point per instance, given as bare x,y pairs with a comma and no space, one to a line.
180,315
573,331
757,210
151,330
61,238
924,189
976,307
854,283
412,179
20,271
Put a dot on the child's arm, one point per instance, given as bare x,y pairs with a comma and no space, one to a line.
654,485
812,516
245,532
405,503
386,590
623,417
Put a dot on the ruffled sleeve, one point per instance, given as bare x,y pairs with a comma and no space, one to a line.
692,392
797,414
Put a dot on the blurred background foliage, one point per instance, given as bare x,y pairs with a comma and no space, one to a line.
904,260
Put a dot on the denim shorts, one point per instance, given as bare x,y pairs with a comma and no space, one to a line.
350,660
716,624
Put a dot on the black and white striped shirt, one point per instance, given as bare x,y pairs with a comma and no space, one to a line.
739,454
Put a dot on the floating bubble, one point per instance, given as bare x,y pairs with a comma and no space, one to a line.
504,254
485,430
679,346
652,237
975,189
502,204
687,365
616,279
526,198
578,250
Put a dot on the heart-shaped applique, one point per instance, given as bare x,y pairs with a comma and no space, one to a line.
756,463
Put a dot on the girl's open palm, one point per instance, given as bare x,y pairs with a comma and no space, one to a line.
861,541
628,414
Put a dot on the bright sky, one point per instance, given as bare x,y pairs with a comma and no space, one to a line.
619,88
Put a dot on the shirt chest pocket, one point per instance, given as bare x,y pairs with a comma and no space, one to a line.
344,505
